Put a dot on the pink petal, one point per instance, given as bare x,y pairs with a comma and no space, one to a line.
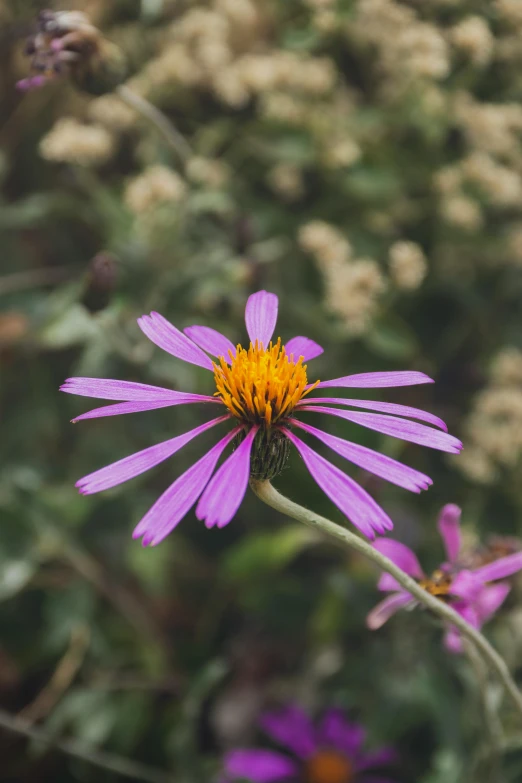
215,343
163,334
500,569
397,428
141,461
352,500
337,732
261,317
225,492
178,499
108,389
490,600
466,585
388,584
291,728
453,641
401,555
449,528
303,346
383,407
374,380
136,407
259,766
379,464
452,637
381,613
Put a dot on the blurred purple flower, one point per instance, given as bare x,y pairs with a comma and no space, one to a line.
467,590
330,752
261,391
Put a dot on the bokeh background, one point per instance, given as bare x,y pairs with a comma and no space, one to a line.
363,160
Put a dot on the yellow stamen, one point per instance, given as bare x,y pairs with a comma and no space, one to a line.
438,584
261,386
328,767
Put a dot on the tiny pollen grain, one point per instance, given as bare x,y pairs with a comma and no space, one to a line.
261,386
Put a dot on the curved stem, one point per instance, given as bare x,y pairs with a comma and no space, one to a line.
110,762
158,119
266,492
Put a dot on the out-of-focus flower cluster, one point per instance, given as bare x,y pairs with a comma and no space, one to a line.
494,426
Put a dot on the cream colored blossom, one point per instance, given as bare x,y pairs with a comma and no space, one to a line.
462,211
501,184
207,171
157,185
506,369
113,113
352,294
509,10
71,141
326,243
408,265
286,180
474,38
341,152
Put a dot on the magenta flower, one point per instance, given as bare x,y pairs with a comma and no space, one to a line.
331,752
62,41
260,391
469,591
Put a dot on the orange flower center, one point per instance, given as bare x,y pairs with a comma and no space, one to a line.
328,767
438,584
261,386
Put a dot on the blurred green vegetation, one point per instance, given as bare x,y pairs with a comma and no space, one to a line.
363,160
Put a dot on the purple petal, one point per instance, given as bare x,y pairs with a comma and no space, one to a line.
225,492
178,499
163,334
337,732
388,584
353,501
378,758
138,463
383,407
500,569
401,555
375,380
490,600
453,641
259,766
121,408
292,728
108,389
32,83
466,585
381,613
397,428
379,464
215,343
261,317
303,346
449,529
452,637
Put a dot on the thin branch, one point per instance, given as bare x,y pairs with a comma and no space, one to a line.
62,678
266,492
79,750
158,119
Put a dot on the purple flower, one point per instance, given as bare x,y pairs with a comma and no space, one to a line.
331,752
63,40
261,391
469,591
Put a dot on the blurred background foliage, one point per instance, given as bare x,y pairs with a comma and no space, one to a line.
362,159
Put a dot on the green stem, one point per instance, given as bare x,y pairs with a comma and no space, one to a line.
110,762
266,492
158,120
